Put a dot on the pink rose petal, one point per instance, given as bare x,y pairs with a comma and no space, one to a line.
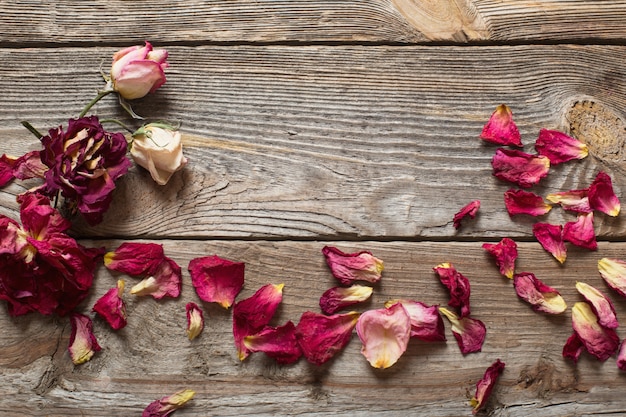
559,147
574,200
505,253
621,356
111,307
599,341
167,405
485,385
83,344
337,298
135,259
550,236
468,210
580,232
519,167
195,320
573,347
165,282
426,322
279,343
321,337
350,267
613,271
600,304
501,129
602,197
539,295
469,332
458,286
217,280
524,202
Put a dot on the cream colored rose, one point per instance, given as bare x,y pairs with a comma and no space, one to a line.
159,150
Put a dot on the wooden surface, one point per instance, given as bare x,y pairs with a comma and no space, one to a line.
349,123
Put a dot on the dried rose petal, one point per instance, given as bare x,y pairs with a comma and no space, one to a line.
600,304
6,169
334,299
505,253
167,405
83,343
621,356
385,335
136,259
580,232
350,267
217,280
524,202
601,195
195,320
458,287
573,347
279,343
501,128
485,385
165,282
550,236
29,165
111,306
574,200
469,210
322,337
426,322
519,167
559,147
613,271
469,332
540,296
251,315
599,341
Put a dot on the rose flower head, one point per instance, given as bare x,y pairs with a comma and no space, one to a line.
138,70
158,148
84,162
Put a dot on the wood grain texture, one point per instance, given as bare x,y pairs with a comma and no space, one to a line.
346,142
151,357
403,21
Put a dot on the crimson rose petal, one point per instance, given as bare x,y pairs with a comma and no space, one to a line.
601,195
337,298
135,259
539,295
485,385
29,165
621,356
559,147
613,271
501,128
217,280
279,343
6,169
469,332
505,253
519,167
321,337
524,202
600,304
458,286
573,347
165,282
167,405
599,341
426,322
574,200
550,236
83,344
195,320
468,210
350,267
580,232
111,307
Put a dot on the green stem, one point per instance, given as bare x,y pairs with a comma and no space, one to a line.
94,101
31,129
117,122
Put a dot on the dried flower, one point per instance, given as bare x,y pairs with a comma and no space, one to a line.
505,253
111,307
138,70
539,295
321,337
501,128
580,232
468,210
458,286
550,236
337,298
601,195
426,322
279,343
469,332
613,271
167,405
195,320
165,282
350,267
524,202
159,149
217,280
600,304
559,147
485,385
83,344
519,167
599,341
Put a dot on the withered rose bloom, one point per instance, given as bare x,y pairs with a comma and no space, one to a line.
84,162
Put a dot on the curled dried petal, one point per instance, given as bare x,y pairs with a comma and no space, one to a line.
334,299
195,320
166,281
550,236
136,259
621,356
350,267
601,195
573,200
426,322
524,202
559,147
217,280
6,169
501,129
580,232
111,306
573,347
279,343
505,253
468,210
613,271
385,335
540,296
599,341
519,167
83,344
485,385
29,165
469,332
321,337
167,405
458,286
600,304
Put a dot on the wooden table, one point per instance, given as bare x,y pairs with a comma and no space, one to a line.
345,123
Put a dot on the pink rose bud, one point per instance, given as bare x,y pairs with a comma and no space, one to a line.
159,149
138,70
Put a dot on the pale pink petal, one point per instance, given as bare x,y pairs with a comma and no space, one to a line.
600,304
350,267
426,322
613,271
599,341
195,320
83,344
574,200
540,296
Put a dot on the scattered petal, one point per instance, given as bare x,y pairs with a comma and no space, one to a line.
601,195
550,236
573,347
505,253
469,332
279,343
6,169
519,167
195,320
217,280
167,405
485,385
385,335
599,341
83,343
621,356
321,337
350,267
166,281
600,304
540,296
458,286
574,200
337,298
559,147
426,322
251,315
613,271
580,232
469,210
29,165
524,202
501,129
136,259
111,307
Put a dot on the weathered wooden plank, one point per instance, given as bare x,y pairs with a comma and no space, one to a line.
151,357
354,142
113,22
